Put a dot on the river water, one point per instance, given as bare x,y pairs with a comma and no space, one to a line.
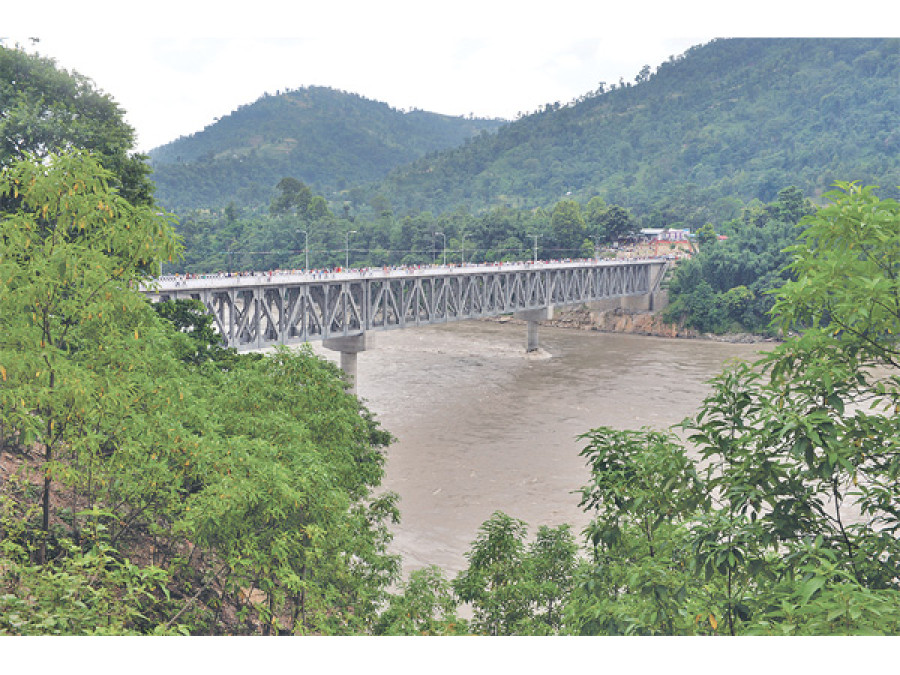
482,426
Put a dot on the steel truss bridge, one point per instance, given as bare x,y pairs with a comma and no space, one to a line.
263,310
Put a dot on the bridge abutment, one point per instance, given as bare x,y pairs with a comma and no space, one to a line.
349,347
533,316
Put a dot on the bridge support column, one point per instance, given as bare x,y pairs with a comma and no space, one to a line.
533,316
349,346
658,296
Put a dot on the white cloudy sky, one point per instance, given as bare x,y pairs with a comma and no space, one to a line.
175,66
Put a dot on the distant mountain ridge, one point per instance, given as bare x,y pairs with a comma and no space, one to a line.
327,138
734,119
723,124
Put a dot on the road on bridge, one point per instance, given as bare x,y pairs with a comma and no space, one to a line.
225,279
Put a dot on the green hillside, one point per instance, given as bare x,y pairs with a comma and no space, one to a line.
735,119
713,136
327,138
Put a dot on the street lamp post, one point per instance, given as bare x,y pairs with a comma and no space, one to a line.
347,260
463,253
536,236
305,247
445,245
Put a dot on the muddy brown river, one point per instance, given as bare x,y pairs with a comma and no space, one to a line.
482,426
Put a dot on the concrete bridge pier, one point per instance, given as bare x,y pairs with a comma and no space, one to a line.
533,316
349,346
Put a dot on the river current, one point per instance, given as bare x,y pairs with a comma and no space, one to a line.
482,426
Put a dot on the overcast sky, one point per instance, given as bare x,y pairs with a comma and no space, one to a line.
176,66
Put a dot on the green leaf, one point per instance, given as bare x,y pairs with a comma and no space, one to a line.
837,403
809,588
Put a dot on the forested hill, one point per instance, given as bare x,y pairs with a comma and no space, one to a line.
732,119
329,139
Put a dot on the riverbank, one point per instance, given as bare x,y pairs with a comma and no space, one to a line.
634,322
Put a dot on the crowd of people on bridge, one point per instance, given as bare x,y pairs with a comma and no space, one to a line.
384,271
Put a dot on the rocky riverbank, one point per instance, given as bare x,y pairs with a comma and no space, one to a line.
636,323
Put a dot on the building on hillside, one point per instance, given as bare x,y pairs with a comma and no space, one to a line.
666,241
665,234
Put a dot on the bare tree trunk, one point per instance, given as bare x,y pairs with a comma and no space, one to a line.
45,502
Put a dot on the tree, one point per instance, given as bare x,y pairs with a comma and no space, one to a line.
594,211
706,235
281,497
76,346
45,110
424,606
847,287
293,197
791,526
643,490
791,206
191,319
244,485
616,222
69,268
802,446
492,582
514,589
551,563
643,75
568,227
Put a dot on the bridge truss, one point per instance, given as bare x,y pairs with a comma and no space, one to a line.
267,313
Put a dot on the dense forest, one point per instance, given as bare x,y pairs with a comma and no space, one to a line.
732,120
685,144
300,231
155,483
329,139
727,285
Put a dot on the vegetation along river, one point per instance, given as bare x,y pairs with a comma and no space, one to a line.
482,426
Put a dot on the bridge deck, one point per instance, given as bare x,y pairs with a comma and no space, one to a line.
262,310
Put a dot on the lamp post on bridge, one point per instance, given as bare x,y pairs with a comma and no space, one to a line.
347,260
445,245
305,248
231,257
536,237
